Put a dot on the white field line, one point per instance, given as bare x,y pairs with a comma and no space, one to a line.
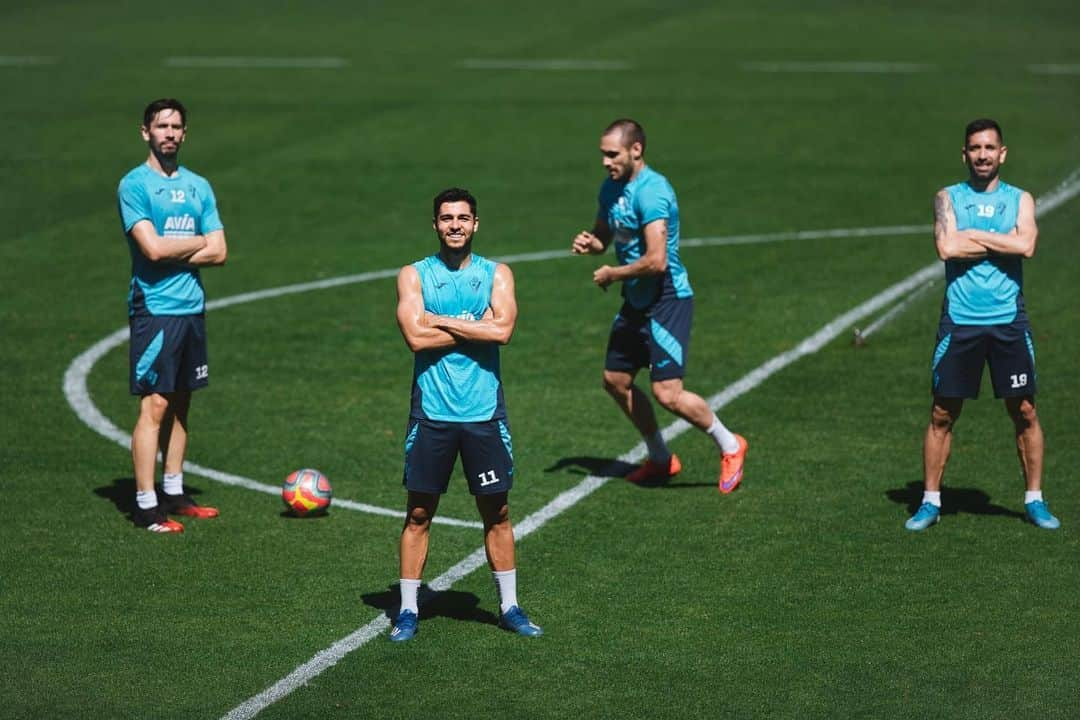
329,657
891,313
836,67
557,65
78,394
324,659
1055,69
27,60
272,63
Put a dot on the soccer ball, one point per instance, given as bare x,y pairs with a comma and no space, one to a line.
306,492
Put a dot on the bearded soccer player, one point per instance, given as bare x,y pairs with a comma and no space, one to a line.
639,213
984,228
170,218
455,309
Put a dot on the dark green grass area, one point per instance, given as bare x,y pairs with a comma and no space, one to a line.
798,596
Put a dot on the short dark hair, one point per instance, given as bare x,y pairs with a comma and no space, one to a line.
164,104
981,124
451,195
631,131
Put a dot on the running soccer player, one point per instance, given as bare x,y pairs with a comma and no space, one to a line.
983,229
455,309
638,210
170,218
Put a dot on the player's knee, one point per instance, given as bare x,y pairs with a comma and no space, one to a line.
494,512
667,397
615,384
1023,413
153,408
418,519
943,415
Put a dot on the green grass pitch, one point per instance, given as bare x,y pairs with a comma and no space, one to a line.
799,596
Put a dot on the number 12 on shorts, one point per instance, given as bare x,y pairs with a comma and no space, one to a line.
490,478
1019,380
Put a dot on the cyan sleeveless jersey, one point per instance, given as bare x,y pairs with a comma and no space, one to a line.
179,206
460,383
986,291
627,207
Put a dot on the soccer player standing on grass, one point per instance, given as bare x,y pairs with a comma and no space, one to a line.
171,221
455,309
983,229
639,212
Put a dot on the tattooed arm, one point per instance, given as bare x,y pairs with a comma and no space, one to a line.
951,243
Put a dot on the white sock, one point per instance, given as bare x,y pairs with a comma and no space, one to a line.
1032,496
724,438
408,594
658,449
145,499
173,483
506,584
932,497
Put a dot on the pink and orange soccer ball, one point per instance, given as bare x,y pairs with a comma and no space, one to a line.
306,492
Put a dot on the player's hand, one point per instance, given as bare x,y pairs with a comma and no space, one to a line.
603,277
585,243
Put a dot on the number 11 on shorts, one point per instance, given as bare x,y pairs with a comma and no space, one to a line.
488,478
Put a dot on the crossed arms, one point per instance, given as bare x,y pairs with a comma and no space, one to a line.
196,250
953,244
424,330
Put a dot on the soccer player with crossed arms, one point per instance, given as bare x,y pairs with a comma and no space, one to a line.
170,217
455,309
984,228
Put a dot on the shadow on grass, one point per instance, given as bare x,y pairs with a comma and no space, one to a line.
452,604
122,494
613,468
595,466
953,501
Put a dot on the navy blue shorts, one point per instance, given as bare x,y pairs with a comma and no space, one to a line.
432,447
963,350
168,353
657,338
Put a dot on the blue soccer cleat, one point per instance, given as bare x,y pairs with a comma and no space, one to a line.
405,627
515,620
924,517
1039,514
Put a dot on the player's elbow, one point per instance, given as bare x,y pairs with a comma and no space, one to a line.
1029,248
504,335
154,252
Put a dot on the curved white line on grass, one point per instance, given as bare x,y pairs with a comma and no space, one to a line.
78,394
329,657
